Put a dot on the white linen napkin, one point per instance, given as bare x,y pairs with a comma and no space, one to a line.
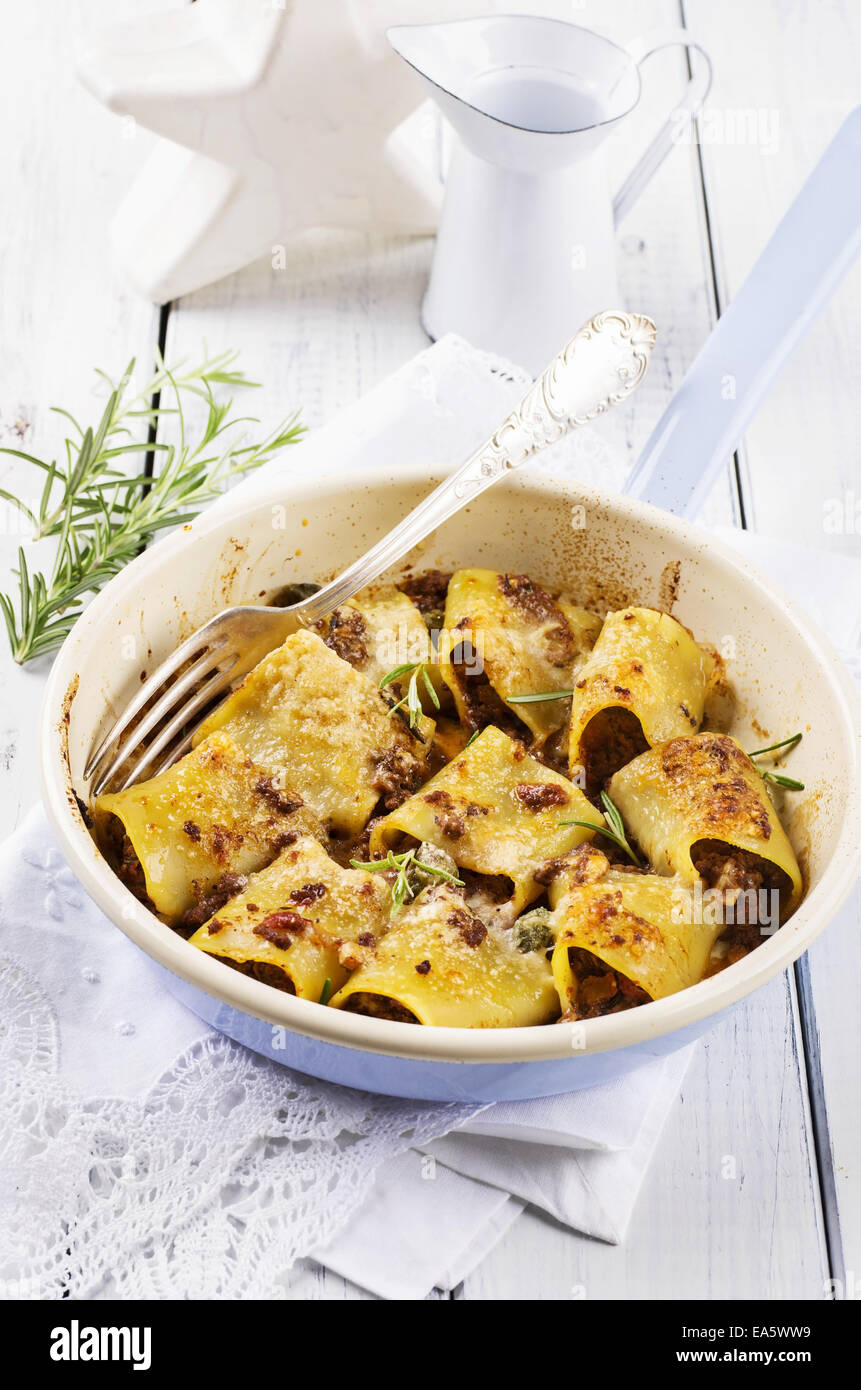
142,1155
434,1214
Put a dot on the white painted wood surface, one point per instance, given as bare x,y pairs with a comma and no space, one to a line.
345,313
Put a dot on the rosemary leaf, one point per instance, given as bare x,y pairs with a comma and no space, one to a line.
403,866
537,696
429,687
614,829
790,783
786,743
412,699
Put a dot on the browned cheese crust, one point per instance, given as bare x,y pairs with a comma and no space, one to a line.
706,777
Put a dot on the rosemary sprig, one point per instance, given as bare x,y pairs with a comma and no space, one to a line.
537,696
402,888
614,830
101,515
786,743
471,739
326,991
412,699
778,778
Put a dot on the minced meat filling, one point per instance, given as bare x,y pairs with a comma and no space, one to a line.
121,855
482,704
427,591
347,636
209,899
726,868
396,776
598,990
613,738
735,873
379,1006
130,870
265,971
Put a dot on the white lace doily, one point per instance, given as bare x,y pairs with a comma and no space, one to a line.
210,1186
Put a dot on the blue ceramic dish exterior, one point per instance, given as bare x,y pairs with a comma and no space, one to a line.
421,1080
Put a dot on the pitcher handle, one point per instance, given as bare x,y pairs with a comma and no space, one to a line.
684,111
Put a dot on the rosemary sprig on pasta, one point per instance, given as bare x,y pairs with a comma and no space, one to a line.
404,883
416,670
614,829
538,696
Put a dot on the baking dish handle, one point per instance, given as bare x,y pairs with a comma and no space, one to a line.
812,249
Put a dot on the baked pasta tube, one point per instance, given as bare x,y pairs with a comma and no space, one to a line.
644,681
622,937
299,923
517,640
214,815
496,810
308,716
699,809
379,629
439,965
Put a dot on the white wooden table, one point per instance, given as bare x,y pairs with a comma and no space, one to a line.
775,1086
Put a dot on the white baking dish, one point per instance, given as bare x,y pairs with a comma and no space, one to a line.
785,675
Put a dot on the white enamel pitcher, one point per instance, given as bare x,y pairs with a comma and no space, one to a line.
526,243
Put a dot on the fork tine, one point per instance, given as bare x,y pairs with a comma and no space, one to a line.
173,755
166,736
119,748
194,646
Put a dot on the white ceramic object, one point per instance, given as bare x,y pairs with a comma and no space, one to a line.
277,115
785,674
526,243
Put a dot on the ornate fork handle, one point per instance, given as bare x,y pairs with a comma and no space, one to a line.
600,366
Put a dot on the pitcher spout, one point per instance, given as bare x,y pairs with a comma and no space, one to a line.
511,81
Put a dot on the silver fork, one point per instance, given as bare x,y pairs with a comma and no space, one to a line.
600,366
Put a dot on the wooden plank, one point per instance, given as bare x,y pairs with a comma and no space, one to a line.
802,455
786,77
340,315
64,162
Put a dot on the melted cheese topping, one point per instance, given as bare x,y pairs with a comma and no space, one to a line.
701,788
645,662
309,716
451,970
527,642
497,811
331,906
214,812
379,629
